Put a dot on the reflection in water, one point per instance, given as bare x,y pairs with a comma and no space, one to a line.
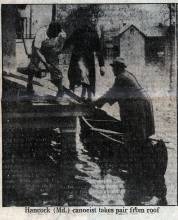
38,173
104,188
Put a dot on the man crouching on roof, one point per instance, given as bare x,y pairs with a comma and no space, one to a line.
136,111
46,47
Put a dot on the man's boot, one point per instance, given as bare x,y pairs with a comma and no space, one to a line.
59,95
30,90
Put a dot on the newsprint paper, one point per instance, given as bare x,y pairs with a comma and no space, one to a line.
89,110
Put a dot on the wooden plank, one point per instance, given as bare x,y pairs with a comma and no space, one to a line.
22,80
47,114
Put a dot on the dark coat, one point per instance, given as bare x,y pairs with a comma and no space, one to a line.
85,42
136,110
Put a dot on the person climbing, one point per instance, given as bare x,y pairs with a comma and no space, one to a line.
46,47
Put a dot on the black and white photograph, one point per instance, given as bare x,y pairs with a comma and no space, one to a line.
89,105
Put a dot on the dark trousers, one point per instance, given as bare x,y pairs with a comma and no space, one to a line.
86,89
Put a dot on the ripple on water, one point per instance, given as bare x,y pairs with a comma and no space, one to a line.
105,190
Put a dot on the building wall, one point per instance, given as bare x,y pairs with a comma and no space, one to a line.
8,37
132,47
170,61
41,15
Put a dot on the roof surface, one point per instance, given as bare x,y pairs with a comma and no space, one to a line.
154,31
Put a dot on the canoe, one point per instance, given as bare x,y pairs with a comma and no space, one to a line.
102,126
104,135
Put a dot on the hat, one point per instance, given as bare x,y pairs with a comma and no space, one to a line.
117,61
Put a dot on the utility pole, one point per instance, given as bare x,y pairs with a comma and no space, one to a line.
53,12
30,25
170,14
171,44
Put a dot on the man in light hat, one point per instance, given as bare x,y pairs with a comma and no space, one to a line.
136,111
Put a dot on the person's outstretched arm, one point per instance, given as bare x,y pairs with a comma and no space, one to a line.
109,97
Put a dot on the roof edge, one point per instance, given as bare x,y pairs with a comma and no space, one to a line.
132,25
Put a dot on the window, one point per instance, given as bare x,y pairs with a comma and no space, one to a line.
24,24
21,28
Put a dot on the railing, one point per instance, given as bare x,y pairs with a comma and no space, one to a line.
23,29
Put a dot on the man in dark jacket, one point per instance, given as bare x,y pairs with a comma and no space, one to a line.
136,111
85,42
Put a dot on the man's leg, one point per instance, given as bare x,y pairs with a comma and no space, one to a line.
56,79
60,89
30,83
32,69
89,92
83,91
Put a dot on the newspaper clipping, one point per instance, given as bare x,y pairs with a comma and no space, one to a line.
89,110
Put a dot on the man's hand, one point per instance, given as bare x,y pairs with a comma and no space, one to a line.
60,39
62,34
97,103
49,67
102,70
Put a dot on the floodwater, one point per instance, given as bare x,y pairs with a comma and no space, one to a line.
37,173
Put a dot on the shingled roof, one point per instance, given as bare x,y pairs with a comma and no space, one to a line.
154,31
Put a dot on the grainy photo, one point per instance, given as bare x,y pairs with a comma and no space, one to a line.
89,105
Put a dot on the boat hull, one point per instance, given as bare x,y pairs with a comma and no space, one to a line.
103,135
